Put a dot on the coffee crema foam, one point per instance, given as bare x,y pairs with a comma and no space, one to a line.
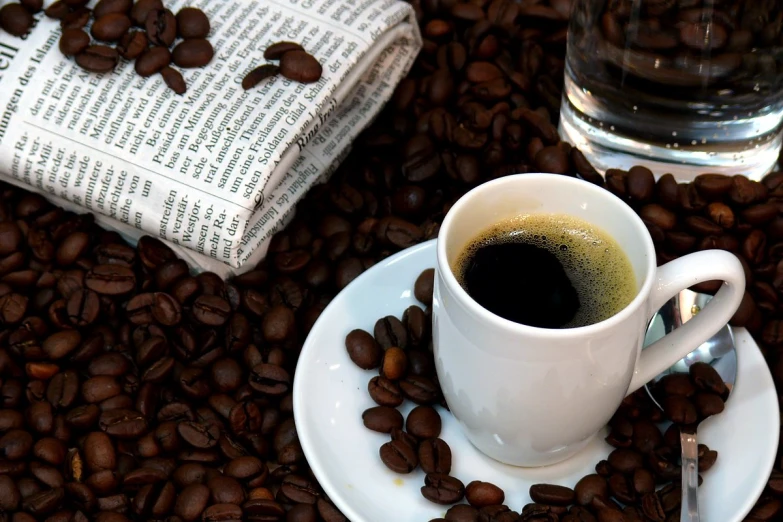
596,265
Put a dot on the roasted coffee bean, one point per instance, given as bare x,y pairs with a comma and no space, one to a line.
110,27
708,404
589,487
211,310
100,388
269,379
389,332
300,66
551,494
382,419
435,456
192,23
257,508
152,61
385,392
10,497
278,49
132,44
73,41
299,489
195,52
100,59
707,458
363,350
199,435
420,390
394,363
60,344
481,494
43,503
15,19
328,512
16,444
708,379
122,423
422,289
442,489
713,186
399,456
161,27
104,7
191,502
259,74
423,422
141,8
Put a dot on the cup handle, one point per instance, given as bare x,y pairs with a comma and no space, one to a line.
672,278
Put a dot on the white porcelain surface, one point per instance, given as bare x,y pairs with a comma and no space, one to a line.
533,396
330,393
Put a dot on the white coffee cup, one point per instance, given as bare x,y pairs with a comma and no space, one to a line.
531,396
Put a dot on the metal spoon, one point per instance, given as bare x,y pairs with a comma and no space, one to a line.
718,351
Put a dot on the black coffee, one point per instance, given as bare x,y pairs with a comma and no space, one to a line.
548,271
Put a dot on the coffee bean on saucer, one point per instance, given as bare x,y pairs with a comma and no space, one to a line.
442,489
707,378
422,289
382,419
385,392
363,350
399,456
394,363
399,434
460,512
435,456
389,331
423,422
480,494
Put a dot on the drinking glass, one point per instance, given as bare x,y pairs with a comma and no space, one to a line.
681,86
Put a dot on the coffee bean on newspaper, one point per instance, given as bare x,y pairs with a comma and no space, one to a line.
295,64
143,31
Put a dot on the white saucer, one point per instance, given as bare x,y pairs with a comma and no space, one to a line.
330,394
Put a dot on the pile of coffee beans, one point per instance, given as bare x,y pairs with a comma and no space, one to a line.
143,31
133,390
295,64
639,481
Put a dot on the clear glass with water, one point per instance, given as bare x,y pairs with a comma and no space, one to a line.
681,86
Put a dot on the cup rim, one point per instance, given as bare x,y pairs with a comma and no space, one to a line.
474,308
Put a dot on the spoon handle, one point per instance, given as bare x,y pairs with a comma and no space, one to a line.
690,476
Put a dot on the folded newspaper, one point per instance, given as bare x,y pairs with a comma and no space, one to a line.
218,170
